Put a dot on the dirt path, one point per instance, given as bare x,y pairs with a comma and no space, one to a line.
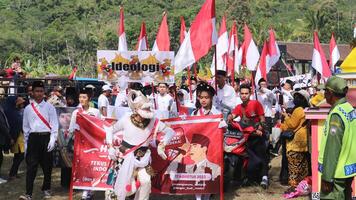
13,189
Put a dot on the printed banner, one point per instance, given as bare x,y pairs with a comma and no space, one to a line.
63,154
135,66
300,81
195,158
194,164
90,162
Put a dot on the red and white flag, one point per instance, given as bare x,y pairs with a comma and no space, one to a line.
250,54
162,42
273,51
233,60
183,31
142,43
334,53
199,39
263,64
122,46
319,61
73,73
222,48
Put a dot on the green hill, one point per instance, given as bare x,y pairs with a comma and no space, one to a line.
62,33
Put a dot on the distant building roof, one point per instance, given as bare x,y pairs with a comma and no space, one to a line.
304,51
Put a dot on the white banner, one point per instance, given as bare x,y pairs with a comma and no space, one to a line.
300,81
135,66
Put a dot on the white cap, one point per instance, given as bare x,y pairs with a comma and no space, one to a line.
106,87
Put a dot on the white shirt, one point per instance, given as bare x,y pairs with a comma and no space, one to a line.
135,135
32,123
73,121
225,97
266,99
103,101
164,102
288,98
121,99
212,111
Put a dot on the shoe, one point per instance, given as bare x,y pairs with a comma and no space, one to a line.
25,197
47,194
2,181
264,183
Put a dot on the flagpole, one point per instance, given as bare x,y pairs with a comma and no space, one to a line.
195,70
176,97
216,69
154,96
233,69
189,85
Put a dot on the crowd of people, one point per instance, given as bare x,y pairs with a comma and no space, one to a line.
29,126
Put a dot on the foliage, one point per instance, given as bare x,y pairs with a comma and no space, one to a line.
54,35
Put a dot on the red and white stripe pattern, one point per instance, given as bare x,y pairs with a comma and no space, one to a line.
233,61
162,42
200,38
319,61
222,48
122,45
263,64
334,53
142,43
273,51
250,54
183,31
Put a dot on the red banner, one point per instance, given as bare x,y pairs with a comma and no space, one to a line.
194,164
90,160
195,158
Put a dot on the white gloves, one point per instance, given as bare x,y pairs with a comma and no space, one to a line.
51,143
160,151
112,153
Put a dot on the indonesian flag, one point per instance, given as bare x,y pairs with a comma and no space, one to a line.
250,54
233,60
73,73
162,42
319,61
183,31
334,53
273,51
222,48
122,46
200,38
142,44
263,64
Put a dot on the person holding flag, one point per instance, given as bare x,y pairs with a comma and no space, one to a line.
84,107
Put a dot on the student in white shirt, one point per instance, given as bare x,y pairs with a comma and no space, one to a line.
266,97
164,101
226,96
103,100
40,128
84,107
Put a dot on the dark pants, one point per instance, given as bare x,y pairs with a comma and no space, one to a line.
16,161
341,190
1,157
257,158
37,154
283,175
66,174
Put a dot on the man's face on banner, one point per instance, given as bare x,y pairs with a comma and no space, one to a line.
197,152
64,120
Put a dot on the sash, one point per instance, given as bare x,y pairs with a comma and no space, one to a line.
41,117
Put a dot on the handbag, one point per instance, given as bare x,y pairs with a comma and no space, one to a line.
289,134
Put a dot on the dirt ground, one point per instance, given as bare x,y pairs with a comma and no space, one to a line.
13,189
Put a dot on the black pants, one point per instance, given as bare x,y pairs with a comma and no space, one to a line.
16,161
37,154
283,175
257,158
66,174
1,157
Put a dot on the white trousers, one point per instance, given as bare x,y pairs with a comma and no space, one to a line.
143,192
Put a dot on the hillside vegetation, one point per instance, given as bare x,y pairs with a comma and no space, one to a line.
53,35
